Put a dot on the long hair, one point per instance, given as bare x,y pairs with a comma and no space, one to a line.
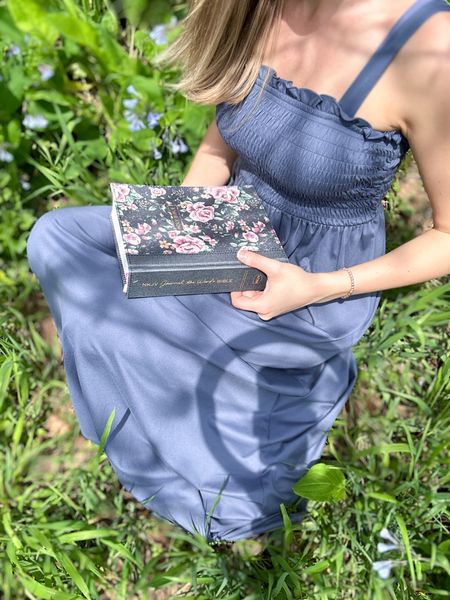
220,48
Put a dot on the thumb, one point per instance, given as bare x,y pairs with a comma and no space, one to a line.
258,261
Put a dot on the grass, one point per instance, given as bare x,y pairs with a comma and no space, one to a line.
69,531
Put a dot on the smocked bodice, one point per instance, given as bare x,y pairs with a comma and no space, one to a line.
306,153
303,151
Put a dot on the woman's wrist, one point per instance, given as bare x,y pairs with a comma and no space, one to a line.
332,285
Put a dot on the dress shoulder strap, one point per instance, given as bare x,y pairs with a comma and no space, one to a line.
401,31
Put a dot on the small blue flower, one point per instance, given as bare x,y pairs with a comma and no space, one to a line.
383,568
393,544
5,156
182,146
14,50
24,183
153,119
130,102
158,34
136,125
178,145
35,121
46,71
132,90
156,154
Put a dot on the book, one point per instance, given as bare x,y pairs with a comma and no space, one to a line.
173,240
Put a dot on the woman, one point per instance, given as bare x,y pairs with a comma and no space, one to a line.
223,401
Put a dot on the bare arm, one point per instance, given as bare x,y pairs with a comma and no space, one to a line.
426,256
212,162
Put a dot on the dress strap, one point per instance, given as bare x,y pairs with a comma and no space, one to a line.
401,31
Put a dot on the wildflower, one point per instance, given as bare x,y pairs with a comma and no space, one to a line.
178,145
156,154
132,90
46,71
158,34
153,119
136,125
387,535
383,568
14,50
24,182
130,102
5,156
35,121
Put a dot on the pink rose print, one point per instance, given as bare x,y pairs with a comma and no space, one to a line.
250,236
225,193
121,191
132,238
195,228
155,192
186,244
199,212
257,227
142,228
173,233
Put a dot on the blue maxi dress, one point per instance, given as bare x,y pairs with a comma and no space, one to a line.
218,412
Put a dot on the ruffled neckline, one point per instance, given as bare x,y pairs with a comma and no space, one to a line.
328,104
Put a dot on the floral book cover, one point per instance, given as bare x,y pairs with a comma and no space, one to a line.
174,240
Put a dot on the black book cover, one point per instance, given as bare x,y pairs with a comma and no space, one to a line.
174,240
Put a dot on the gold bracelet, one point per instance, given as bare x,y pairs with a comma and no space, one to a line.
352,279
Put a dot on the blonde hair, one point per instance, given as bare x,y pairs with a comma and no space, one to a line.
221,48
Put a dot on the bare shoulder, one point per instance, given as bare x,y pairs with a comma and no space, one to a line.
424,84
423,69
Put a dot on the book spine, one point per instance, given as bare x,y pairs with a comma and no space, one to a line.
196,281
119,251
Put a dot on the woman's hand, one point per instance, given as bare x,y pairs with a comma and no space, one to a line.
288,287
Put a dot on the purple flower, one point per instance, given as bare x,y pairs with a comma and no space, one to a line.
35,121
5,156
153,119
46,71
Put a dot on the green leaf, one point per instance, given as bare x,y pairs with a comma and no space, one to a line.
30,15
8,30
324,483
382,496
9,103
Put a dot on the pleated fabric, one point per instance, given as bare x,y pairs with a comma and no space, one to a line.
218,412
